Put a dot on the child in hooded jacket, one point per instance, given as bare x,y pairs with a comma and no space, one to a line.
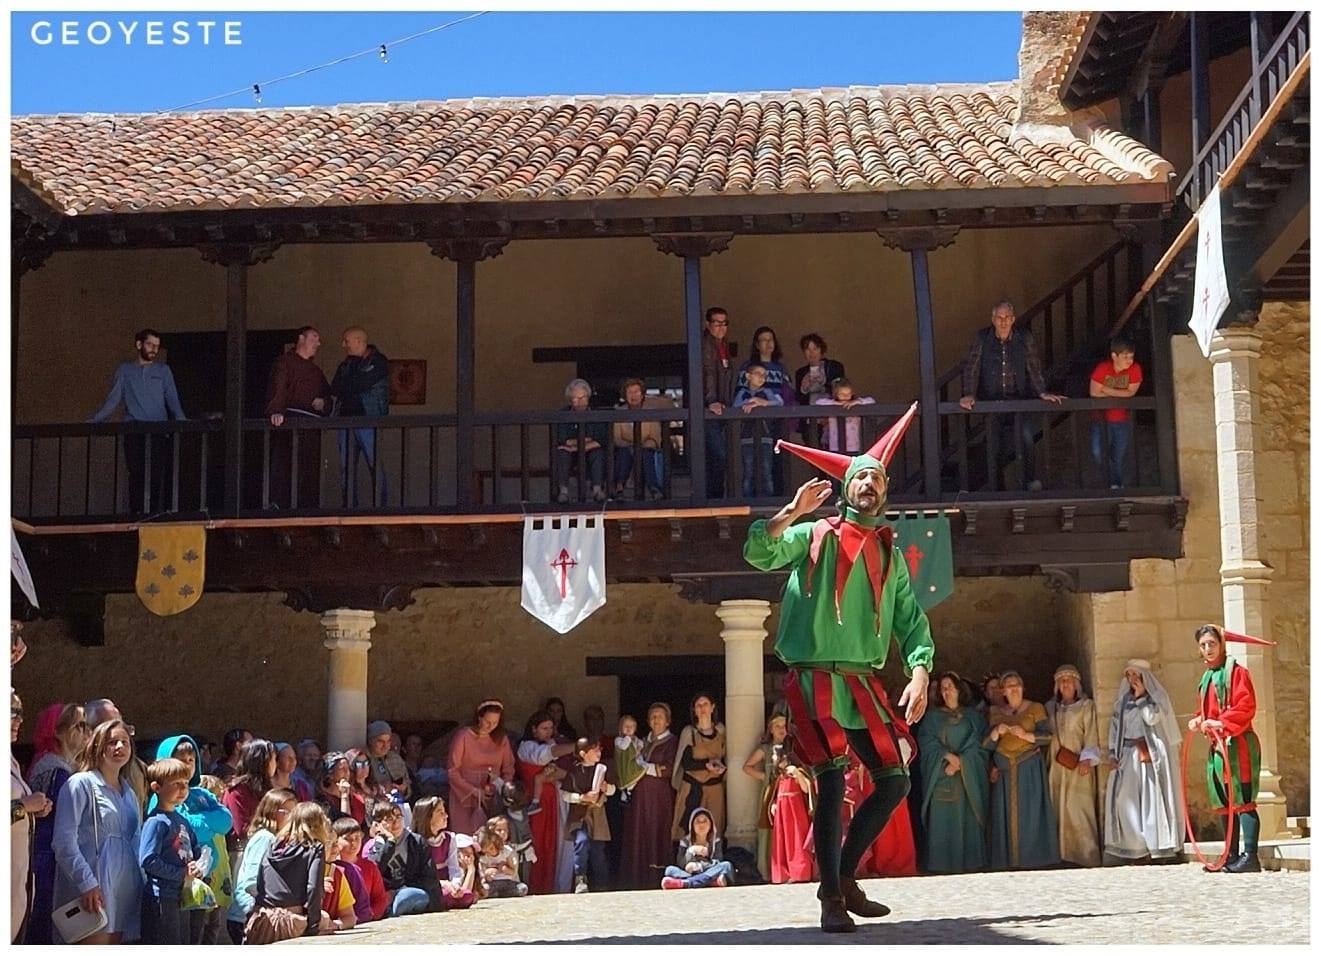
210,820
701,859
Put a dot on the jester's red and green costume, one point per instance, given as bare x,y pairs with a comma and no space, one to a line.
848,596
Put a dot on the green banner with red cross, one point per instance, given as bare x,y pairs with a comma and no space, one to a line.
924,542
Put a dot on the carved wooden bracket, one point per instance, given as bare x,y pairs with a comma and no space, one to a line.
238,253
467,250
686,244
29,255
369,598
909,238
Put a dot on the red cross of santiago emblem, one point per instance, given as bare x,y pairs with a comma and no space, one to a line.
563,563
914,558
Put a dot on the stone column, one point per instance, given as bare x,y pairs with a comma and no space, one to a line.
1244,576
349,637
744,635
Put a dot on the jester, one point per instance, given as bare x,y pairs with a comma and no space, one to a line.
1226,704
848,595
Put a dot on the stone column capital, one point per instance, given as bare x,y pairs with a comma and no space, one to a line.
348,629
1235,342
745,619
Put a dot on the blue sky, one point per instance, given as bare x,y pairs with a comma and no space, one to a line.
498,54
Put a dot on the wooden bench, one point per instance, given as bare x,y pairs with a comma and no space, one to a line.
480,476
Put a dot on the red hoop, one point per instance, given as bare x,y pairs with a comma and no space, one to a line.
1219,741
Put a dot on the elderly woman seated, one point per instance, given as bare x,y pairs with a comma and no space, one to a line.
640,446
567,454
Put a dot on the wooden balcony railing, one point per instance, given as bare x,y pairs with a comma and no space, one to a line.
115,472
1227,141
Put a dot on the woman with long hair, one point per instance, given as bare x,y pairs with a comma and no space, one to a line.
766,353
61,734
272,811
537,754
955,783
479,755
256,767
290,892
699,769
98,821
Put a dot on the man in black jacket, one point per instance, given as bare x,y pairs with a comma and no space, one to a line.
361,388
405,863
1002,365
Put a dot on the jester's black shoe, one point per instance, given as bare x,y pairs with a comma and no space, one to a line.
1245,862
835,916
856,900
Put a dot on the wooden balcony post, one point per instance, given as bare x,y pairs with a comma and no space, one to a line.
917,241
692,247
1261,38
1199,33
466,253
236,258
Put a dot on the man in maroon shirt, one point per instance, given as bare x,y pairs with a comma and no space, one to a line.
299,386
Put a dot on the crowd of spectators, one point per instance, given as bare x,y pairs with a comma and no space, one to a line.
117,841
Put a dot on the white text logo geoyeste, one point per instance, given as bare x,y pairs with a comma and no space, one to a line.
137,32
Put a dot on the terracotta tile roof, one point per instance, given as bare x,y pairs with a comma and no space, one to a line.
858,139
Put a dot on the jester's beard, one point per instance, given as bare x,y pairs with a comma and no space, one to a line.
865,492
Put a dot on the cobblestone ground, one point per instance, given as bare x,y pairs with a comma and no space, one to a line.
1145,904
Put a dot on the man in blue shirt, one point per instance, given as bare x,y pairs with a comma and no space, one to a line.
146,389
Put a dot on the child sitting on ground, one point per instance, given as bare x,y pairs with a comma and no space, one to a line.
518,826
168,853
404,859
755,438
585,790
338,899
372,902
431,821
292,880
498,865
701,861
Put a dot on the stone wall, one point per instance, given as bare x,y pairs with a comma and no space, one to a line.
248,659
1169,599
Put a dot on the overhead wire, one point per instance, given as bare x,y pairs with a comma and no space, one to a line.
378,49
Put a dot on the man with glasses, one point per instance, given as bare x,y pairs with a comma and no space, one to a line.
388,767
1002,365
717,393
307,775
147,391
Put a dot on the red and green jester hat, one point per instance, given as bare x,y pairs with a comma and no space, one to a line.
848,595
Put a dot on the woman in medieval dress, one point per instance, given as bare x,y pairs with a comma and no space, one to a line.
699,769
762,764
648,844
1075,753
1024,834
1143,802
955,788
537,754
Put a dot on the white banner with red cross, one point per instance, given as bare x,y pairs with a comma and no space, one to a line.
563,568
1210,287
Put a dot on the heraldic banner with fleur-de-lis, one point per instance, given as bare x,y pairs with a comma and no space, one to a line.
924,542
171,567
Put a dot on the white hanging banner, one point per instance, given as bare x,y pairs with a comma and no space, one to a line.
563,568
1211,288
19,566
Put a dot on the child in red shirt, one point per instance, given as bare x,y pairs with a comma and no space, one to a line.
1120,376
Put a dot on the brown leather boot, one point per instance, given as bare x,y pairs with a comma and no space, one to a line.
856,901
835,916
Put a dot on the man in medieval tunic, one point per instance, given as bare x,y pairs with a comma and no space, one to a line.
1226,704
847,597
